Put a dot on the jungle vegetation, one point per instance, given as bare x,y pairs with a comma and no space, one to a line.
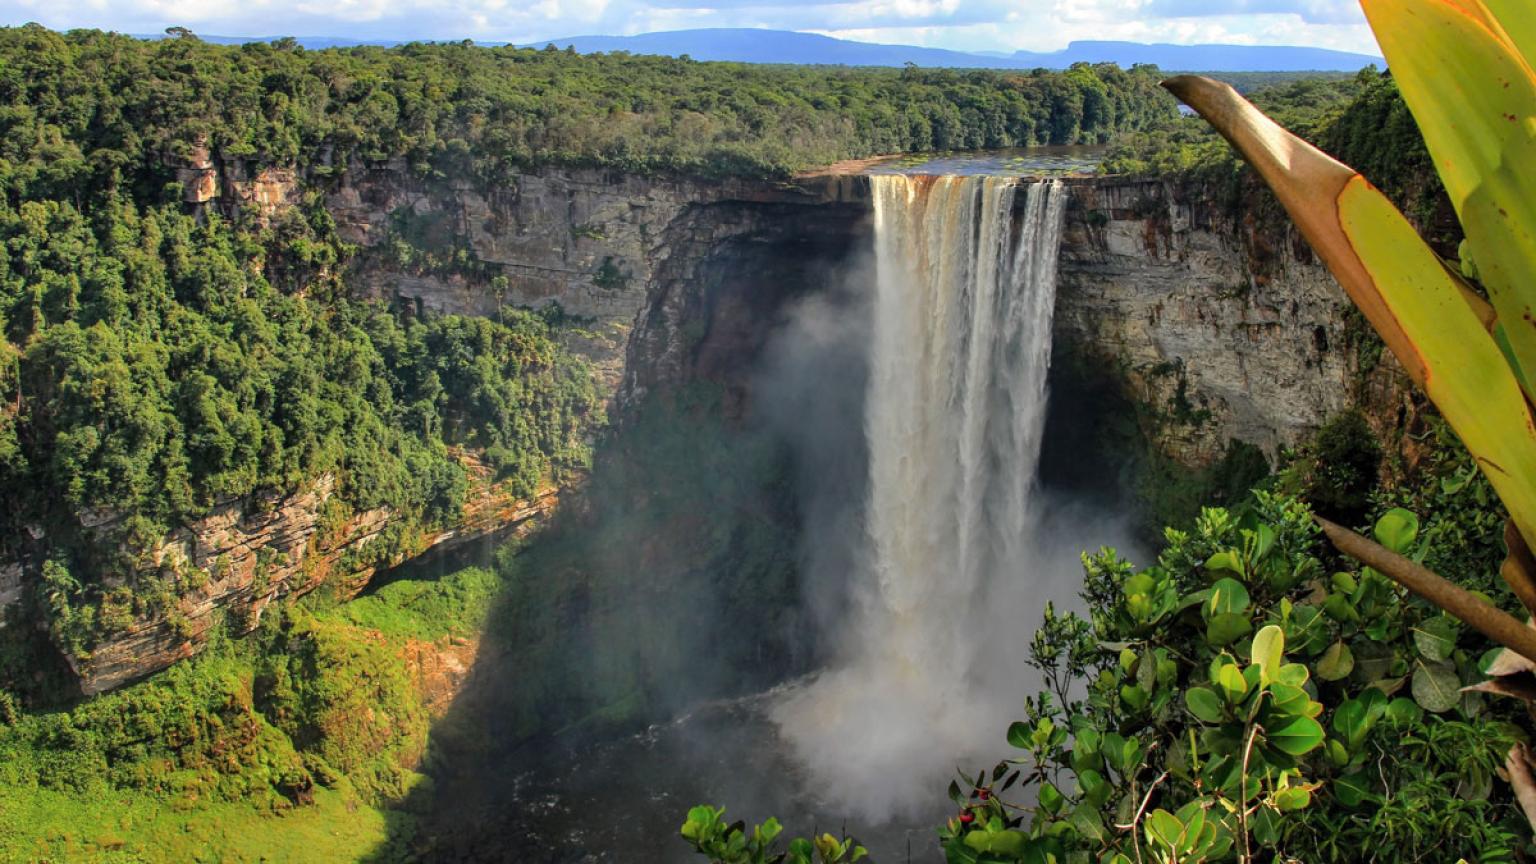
97,103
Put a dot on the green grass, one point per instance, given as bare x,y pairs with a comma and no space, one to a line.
453,606
203,762
48,826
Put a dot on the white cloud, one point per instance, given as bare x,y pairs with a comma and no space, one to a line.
1038,25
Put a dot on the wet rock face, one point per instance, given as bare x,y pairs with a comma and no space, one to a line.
697,270
1218,318
246,554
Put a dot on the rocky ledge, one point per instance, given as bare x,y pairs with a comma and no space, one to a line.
244,555
1217,317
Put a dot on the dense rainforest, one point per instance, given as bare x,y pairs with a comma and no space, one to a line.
84,105
166,361
163,360
159,362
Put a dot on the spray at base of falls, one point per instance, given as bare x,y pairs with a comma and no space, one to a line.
932,663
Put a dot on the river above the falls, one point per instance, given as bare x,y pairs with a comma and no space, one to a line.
1044,161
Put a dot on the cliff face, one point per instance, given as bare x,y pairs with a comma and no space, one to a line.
246,554
608,248
695,270
1216,318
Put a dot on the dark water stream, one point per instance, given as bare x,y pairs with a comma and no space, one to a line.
1018,161
624,799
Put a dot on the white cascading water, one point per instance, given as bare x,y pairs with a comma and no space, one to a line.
954,416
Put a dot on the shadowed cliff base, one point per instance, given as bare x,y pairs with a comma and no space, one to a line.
670,580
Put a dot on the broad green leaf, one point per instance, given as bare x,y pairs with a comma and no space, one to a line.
1354,718
1266,826
1233,686
1287,700
1088,823
1466,374
1396,530
1294,674
1204,704
1296,737
1164,828
1519,26
1375,702
1340,609
1404,712
1473,96
1305,629
1114,750
1435,686
1051,798
1294,798
1263,538
1338,754
1336,663
1020,735
1268,652
1227,628
1228,597
1352,789
1435,638
1091,784
1192,810
1134,696
1225,561
1345,583
1146,671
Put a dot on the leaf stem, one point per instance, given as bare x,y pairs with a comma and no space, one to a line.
1486,618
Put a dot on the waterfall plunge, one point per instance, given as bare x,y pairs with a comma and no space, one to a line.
954,414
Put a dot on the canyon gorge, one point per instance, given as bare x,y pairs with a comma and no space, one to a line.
452,453
1206,311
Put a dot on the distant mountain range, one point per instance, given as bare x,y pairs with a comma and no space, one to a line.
787,46
783,46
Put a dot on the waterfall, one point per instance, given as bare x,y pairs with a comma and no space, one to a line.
954,413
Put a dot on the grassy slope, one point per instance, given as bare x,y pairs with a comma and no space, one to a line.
46,825
87,784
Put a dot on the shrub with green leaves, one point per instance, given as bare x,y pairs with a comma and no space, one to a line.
1249,696
1246,696
729,843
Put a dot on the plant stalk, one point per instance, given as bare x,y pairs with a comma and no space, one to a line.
1519,568
1487,619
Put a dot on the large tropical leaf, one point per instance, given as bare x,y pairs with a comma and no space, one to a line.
1428,318
1459,66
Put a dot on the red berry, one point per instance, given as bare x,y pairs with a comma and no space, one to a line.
967,817
985,794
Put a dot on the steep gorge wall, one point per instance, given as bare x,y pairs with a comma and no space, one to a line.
1211,314
661,280
1214,317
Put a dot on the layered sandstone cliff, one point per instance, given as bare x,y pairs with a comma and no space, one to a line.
1215,316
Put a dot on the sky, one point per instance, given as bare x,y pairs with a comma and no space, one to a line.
967,25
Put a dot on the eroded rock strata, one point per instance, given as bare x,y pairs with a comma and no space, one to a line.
1215,316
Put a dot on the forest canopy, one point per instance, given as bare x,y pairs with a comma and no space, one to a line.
93,103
